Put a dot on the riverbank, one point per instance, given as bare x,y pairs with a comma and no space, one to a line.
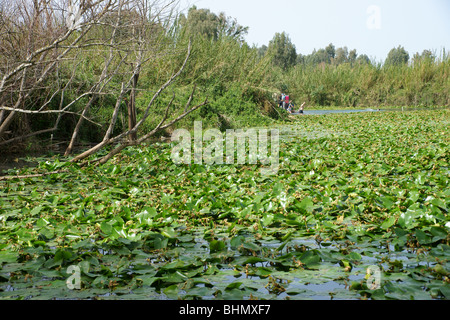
15,162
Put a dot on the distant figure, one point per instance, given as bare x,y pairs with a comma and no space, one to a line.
280,100
286,105
291,107
302,108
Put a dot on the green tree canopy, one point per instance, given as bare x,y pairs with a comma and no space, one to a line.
212,26
426,55
317,57
331,51
352,56
397,56
341,55
363,59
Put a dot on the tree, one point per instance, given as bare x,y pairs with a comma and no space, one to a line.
118,38
341,56
397,56
352,56
320,56
283,51
229,27
363,59
331,52
262,51
426,56
212,26
301,59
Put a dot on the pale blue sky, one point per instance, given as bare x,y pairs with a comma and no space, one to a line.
414,24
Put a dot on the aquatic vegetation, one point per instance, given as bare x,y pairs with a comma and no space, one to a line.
355,194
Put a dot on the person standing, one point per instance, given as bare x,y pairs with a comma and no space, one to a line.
280,100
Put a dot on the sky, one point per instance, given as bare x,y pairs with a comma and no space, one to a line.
372,27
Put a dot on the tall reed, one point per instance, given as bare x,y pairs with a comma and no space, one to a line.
421,83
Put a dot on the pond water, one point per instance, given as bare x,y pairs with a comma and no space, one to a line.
13,162
324,112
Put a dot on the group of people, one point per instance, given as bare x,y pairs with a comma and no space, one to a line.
286,103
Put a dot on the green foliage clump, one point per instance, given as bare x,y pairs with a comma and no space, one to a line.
284,54
397,56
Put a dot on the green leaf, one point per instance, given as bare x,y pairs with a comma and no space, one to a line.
267,220
177,264
346,264
233,285
445,290
62,255
42,222
169,233
251,246
47,233
172,291
386,202
414,195
237,241
407,220
422,237
36,210
263,272
354,256
160,243
388,223
253,260
106,228
439,203
310,259
438,233
8,257
306,205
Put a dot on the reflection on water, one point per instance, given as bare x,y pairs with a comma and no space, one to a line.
323,112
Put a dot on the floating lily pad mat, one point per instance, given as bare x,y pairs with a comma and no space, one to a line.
358,210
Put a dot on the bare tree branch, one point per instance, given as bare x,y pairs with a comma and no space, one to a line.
57,38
